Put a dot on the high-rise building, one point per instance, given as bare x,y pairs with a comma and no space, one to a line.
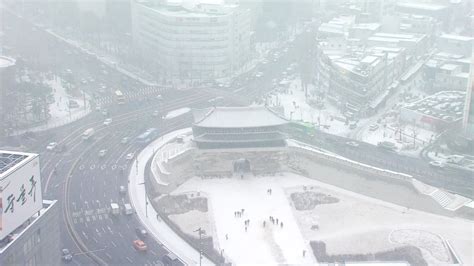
201,40
468,121
29,225
7,79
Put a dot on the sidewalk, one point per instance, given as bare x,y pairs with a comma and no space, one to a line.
158,229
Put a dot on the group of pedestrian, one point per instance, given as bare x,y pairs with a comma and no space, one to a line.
269,191
239,213
274,221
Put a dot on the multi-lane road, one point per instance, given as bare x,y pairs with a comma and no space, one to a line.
86,184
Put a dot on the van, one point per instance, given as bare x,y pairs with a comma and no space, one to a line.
115,208
128,210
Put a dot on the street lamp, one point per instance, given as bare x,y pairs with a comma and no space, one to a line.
200,232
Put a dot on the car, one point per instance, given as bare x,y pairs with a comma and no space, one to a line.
139,245
259,74
61,148
141,233
66,255
155,113
102,153
352,144
125,140
51,146
108,121
387,145
130,156
122,190
437,164
73,104
352,126
159,97
373,127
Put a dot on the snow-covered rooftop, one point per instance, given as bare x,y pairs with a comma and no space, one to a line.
239,117
6,61
424,6
457,37
12,160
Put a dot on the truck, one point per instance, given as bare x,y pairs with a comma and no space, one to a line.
115,208
128,210
88,133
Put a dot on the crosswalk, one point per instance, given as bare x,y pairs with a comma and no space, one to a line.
90,215
149,92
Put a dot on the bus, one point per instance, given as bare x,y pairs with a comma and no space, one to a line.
119,97
147,136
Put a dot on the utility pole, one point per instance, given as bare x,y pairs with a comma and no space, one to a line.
200,232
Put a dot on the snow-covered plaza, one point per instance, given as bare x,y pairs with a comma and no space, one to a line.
356,224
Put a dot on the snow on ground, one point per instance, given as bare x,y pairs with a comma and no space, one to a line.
407,138
59,110
268,245
351,226
360,224
177,112
158,229
296,108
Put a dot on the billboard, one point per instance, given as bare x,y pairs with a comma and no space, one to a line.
20,196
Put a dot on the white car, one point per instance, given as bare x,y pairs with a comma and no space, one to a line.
108,121
159,97
155,113
125,140
130,156
51,146
438,164
352,144
102,153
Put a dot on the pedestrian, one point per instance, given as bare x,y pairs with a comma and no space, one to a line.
281,224
276,220
246,229
304,253
226,237
243,211
263,223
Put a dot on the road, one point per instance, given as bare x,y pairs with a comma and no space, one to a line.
86,184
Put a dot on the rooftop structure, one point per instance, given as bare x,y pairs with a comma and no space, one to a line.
9,161
238,127
238,117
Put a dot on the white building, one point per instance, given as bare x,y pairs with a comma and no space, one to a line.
468,119
195,40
